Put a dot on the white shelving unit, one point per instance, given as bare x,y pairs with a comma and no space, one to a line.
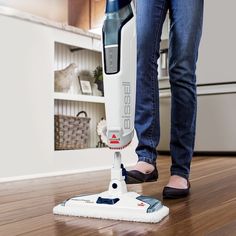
74,101
79,98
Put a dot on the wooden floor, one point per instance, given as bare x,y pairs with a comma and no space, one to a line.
26,206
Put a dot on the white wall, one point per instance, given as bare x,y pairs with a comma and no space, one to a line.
52,9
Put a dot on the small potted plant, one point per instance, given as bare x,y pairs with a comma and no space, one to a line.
98,75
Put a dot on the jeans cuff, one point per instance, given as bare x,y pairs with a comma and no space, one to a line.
148,160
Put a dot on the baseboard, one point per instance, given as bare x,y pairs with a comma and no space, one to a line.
57,173
205,153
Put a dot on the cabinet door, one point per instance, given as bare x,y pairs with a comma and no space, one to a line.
97,13
79,13
216,63
216,130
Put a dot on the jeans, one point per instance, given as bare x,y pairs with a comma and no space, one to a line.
186,17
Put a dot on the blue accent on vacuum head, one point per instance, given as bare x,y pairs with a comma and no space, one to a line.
116,5
154,204
108,201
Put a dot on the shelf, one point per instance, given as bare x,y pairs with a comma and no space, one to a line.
79,98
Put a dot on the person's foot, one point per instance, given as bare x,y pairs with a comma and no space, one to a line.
178,182
142,172
178,187
144,167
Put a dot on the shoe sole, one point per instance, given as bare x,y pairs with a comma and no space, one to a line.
172,196
135,181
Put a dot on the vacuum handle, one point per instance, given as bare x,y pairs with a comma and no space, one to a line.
116,5
117,15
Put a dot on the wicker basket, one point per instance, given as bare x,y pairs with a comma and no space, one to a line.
71,132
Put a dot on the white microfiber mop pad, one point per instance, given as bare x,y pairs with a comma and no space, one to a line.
128,208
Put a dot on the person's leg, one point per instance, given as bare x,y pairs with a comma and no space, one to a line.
186,29
150,17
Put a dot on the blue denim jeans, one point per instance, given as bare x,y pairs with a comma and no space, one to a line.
186,17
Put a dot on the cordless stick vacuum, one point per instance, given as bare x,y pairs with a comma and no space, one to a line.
119,71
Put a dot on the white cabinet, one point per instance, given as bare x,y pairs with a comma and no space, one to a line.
216,129
26,60
216,63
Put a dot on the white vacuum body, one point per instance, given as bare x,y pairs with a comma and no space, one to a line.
119,72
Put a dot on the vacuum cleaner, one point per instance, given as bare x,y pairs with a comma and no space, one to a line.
119,72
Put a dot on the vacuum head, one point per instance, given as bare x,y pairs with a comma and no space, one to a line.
129,207
116,203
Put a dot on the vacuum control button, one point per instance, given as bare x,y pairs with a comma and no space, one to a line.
111,60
